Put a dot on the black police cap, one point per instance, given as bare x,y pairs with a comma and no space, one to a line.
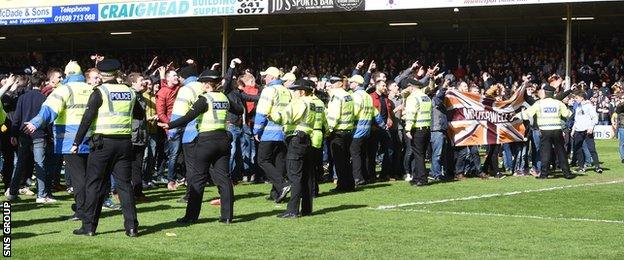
411,81
300,85
108,65
187,71
209,76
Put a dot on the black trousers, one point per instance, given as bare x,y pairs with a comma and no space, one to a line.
189,164
408,155
8,156
490,164
339,145
550,139
300,173
272,160
316,160
381,141
579,138
114,156
76,167
358,159
137,170
210,155
420,141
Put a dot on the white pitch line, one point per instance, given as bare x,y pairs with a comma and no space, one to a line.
484,214
496,195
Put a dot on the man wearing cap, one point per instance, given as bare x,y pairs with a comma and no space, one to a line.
364,112
210,148
417,118
64,108
110,109
340,126
549,113
270,134
298,118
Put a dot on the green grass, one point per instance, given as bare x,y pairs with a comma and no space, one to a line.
349,226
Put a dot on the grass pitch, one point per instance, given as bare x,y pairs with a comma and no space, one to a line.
516,217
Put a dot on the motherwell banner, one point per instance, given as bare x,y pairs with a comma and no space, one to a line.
476,120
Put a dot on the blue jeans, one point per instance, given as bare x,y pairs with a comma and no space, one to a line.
30,150
507,157
519,151
536,158
620,134
149,157
173,150
437,143
588,157
467,160
248,151
235,151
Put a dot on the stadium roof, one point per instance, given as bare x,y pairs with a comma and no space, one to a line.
440,24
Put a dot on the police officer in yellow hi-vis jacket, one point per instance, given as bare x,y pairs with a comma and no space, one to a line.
417,118
271,149
550,113
319,132
211,148
298,117
64,109
110,110
340,126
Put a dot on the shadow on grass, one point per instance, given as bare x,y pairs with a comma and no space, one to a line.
249,195
30,205
23,235
108,213
337,208
361,188
146,230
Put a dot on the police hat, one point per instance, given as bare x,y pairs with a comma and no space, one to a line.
108,66
209,76
411,81
301,85
187,72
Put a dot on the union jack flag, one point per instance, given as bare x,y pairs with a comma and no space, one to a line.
477,120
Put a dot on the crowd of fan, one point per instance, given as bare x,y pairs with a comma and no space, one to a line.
598,68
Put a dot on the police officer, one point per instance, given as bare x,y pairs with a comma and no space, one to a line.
364,113
187,95
340,126
211,148
64,108
270,134
110,109
299,115
549,114
318,134
417,118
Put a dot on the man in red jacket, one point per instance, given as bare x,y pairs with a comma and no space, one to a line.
381,139
169,86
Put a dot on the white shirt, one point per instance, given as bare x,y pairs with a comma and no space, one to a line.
585,117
